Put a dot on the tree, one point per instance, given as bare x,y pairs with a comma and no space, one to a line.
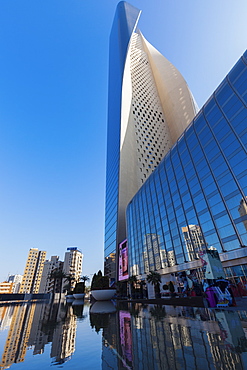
154,278
158,312
80,287
70,278
99,281
93,280
58,276
84,278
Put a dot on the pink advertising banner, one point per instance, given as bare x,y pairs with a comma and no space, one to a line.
123,261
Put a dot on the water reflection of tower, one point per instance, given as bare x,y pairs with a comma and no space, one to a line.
18,335
111,343
63,341
194,240
28,328
38,338
53,323
178,339
6,313
233,352
242,209
221,355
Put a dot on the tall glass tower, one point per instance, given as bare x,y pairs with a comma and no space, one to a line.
149,107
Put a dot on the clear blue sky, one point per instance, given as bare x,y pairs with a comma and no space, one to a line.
53,109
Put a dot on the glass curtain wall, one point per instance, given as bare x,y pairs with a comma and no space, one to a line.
119,40
196,197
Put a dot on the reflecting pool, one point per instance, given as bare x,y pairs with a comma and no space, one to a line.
107,335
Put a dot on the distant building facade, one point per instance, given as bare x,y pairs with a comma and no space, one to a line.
72,266
47,284
196,198
33,271
6,287
16,280
149,107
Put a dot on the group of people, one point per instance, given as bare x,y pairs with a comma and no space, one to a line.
219,293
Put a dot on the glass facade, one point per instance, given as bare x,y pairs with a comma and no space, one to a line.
196,198
119,40
150,105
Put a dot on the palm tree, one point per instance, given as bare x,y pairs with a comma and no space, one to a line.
154,278
158,312
84,278
70,279
58,276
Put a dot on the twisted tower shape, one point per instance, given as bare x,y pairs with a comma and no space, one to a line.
149,107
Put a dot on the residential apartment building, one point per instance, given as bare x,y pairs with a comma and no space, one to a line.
47,284
73,259
33,271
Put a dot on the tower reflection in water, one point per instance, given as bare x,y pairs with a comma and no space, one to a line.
164,337
135,336
34,326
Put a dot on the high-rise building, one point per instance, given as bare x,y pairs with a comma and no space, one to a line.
149,107
196,200
73,264
48,285
33,271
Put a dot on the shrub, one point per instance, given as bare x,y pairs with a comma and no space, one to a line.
99,281
79,288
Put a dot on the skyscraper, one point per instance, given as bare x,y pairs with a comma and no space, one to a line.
47,284
149,107
33,271
73,264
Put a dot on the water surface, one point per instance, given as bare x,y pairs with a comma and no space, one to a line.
123,336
